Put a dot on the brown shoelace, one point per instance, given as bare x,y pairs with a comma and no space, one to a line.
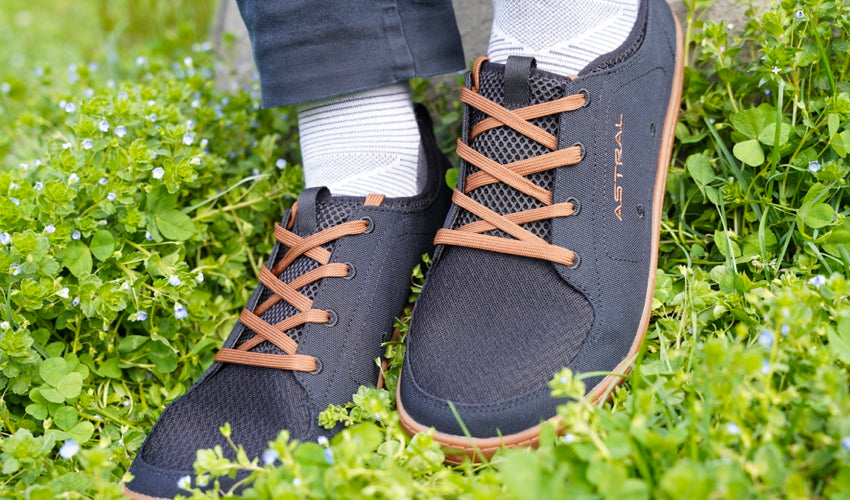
525,243
311,246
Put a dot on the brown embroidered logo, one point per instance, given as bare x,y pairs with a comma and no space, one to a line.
618,162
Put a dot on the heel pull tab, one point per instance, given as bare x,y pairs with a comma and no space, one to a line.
306,221
517,86
374,200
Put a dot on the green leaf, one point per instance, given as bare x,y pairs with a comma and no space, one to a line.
53,370
65,417
102,245
51,394
71,385
163,357
839,340
131,343
749,122
726,247
699,166
817,215
82,432
749,152
77,258
109,368
768,134
174,225
36,410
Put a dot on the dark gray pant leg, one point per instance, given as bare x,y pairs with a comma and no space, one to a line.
306,50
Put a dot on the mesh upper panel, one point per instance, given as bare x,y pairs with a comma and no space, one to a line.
258,402
505,145
490,326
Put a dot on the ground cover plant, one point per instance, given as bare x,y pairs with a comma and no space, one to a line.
135,202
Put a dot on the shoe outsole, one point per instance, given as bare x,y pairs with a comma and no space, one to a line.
461,448
138,496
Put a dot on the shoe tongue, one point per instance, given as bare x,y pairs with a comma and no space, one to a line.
306,217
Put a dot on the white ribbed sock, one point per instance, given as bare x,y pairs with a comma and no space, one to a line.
563,35
362,143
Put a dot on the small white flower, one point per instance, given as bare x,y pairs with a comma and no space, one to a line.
158,172
280,163
845,443
184,483
120,130
174,280
818,280
140,61
103,181
730,26
765,367
69,449
87,144
190,124
270,457
62,104
5,325
66,145
70,107
180,312
814,166
188,61
14,200
63,292
204,143
141,315
202,480
13,186
111,196
76,301
188,139
151,102
50,229
73,178
733,429
36,163
195,103
103,126
568,438
195,161
38,186
24,166
766,339
199,278
5,238
75,235
776,70
322,440
5,88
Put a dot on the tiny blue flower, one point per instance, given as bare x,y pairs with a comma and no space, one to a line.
38,186
329,456
174,280
818,280
190,124
5,88
69,449
204,143
24,166
5,238
799,14
70,107
225,101
322,440
120,130
14,200
255,171
184,483
158,172
785,330
733,429
66,145
76,301
270,456
814,166
845,443
122,95
36,163
766,339
102,181
87,143
195,103
199,278
50,229
111,196
180,312
280,163
89,93
765,367
13,186
93,66
62,104
103,126
141,315
188,139
38,71
152,117
75,235
148,236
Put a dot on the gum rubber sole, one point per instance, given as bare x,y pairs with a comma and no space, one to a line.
478,449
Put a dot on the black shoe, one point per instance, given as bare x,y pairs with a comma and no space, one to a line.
336,280
548,256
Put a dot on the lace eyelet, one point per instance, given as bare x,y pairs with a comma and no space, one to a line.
576,205
370,224
576,261
333,319
351,271
586,95
318,369
583,150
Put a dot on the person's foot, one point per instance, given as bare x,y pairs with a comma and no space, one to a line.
548,256
338,276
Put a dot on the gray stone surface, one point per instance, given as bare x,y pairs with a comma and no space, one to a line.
473,17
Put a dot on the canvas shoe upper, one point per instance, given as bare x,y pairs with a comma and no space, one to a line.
548,255
337,278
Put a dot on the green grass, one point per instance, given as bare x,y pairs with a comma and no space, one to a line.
740,391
